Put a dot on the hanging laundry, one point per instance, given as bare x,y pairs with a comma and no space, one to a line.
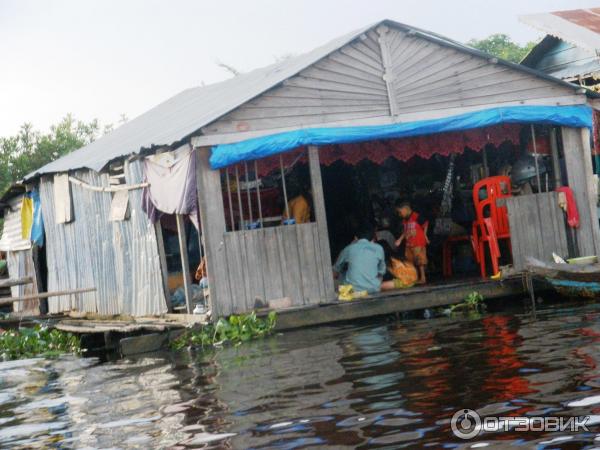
26,216
32,224
37,226
172,184
567,202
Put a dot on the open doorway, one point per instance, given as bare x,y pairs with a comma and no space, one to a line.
365,190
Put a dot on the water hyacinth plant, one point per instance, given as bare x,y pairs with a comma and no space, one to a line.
234,330
37,341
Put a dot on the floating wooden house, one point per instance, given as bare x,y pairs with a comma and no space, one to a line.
385,92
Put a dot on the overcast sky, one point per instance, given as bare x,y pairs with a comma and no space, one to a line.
101,59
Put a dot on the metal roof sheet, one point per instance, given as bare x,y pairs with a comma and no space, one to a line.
184,114
550,56
580,27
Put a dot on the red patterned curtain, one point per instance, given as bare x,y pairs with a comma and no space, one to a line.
401,149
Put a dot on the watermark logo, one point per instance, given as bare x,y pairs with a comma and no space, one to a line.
467,424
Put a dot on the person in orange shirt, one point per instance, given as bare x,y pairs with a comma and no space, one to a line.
299,207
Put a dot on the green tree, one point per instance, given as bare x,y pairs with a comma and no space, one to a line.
29,149
502,46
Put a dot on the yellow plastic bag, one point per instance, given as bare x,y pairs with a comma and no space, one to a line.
346,293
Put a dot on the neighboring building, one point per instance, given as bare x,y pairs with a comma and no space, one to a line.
571,48
385,91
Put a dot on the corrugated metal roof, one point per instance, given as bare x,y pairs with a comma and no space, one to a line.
184,114
562,59
580,27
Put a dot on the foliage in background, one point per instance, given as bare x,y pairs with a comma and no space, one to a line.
502,46
37,341
30,149
234,330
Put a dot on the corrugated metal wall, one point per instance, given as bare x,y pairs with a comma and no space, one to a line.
119,259
18,257
12,239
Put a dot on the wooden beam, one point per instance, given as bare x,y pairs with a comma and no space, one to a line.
185,263
163,264
24,298
321,219
212,219
388,67
217,136
15,282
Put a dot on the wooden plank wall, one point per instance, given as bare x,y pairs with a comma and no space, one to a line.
273,263
578,158
537,227
420,78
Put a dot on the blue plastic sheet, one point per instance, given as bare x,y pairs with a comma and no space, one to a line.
569,116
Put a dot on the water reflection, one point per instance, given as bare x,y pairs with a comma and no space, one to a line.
381,384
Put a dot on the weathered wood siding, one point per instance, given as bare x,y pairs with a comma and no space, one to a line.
389,73
578,156
347,85
20,265
274,263
537,227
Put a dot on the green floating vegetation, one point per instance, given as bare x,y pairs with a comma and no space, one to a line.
235,330
37,341
473,303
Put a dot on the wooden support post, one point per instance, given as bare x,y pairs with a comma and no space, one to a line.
260,215
535,160
285,197
321,219
212,218
578,157
163,263
185,264
484,158
239,197
229,199
555,158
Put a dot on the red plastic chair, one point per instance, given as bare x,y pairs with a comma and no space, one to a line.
491,223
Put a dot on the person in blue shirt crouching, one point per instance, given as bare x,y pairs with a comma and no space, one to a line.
361,263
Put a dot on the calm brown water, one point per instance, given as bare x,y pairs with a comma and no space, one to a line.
381,384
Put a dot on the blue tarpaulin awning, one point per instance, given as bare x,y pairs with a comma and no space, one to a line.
223,155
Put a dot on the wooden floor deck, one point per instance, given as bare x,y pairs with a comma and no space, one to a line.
143,334
422,297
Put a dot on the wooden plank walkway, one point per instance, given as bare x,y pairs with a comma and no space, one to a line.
429,296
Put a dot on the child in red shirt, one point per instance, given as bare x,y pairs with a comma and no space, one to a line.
415,233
